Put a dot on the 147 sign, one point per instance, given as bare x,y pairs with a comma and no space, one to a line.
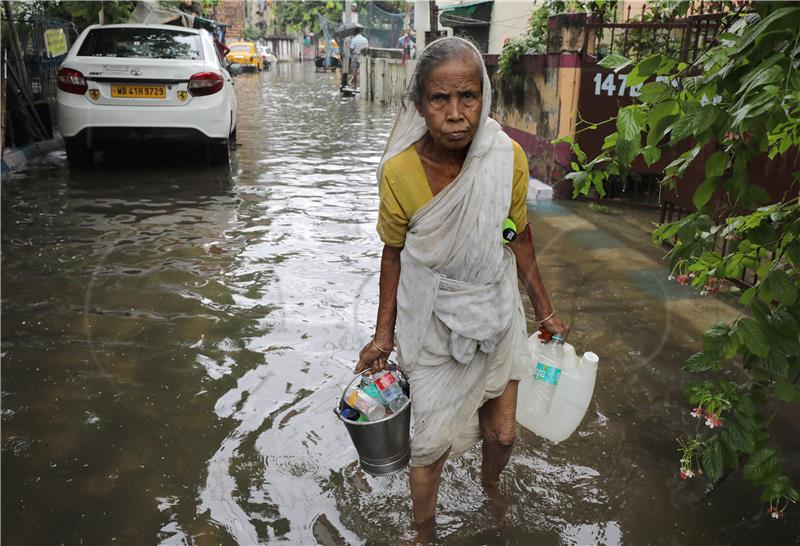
609,85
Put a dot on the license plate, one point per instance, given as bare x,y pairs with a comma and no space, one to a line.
138,91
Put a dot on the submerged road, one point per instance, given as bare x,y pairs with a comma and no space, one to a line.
174,339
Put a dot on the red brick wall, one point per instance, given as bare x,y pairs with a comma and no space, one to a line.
231,12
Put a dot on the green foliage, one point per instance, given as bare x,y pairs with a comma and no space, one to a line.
535,40
302,15
79,12
254,34
739,100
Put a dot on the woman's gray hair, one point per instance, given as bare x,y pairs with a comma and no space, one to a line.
439,51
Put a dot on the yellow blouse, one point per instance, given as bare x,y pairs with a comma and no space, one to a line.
404,190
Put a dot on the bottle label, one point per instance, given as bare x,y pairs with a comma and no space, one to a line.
358,402
372,391
547,374
385,381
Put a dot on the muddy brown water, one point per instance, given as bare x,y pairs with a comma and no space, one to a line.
174,339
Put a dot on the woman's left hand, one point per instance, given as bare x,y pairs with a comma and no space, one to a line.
556,327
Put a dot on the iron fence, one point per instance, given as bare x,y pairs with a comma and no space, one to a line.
41,68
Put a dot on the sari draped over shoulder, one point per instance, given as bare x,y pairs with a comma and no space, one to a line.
460,327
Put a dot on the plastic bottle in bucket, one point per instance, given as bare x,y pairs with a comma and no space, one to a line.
369,387
353,415
390,389
364,403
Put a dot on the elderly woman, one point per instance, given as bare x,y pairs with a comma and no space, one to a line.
449,178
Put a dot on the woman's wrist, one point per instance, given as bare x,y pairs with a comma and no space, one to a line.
544,317
383,341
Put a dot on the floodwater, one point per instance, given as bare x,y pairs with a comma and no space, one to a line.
174,339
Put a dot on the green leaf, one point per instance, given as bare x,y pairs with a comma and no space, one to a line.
712,460
610,141
780,284
759,463
704,118
654,92
580,183
757,195
651,155
715,337
661,110
615,62
681,129
700,362
747,296
761,26
659,128
715,165
648,66
630,122
643,70
786,391
784,323
704,192
667,64
754,338
597,181
777,364
666,231
737,437
627,151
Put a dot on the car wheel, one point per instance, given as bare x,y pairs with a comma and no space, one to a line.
219,153
78,154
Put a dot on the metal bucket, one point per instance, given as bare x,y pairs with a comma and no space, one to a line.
384,447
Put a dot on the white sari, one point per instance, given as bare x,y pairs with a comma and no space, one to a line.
460,328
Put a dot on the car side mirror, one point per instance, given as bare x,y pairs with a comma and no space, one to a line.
235,69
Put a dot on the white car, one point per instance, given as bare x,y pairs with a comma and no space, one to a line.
151,84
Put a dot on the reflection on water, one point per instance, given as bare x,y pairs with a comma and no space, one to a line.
174,338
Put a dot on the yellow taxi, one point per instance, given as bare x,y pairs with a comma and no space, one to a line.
246,54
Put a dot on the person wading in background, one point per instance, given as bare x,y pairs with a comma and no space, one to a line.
448,285
358,44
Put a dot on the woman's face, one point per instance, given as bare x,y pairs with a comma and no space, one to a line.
452,102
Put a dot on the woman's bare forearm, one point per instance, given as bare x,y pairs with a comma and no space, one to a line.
387,305
528,273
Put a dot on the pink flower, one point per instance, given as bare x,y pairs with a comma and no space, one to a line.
697,412
712,421
683,279
686,473
775,513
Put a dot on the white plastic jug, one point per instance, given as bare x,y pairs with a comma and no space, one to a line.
572,397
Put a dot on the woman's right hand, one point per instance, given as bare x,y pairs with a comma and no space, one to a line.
371,356
556,327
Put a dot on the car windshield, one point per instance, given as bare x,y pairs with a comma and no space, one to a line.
240,47
150,43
